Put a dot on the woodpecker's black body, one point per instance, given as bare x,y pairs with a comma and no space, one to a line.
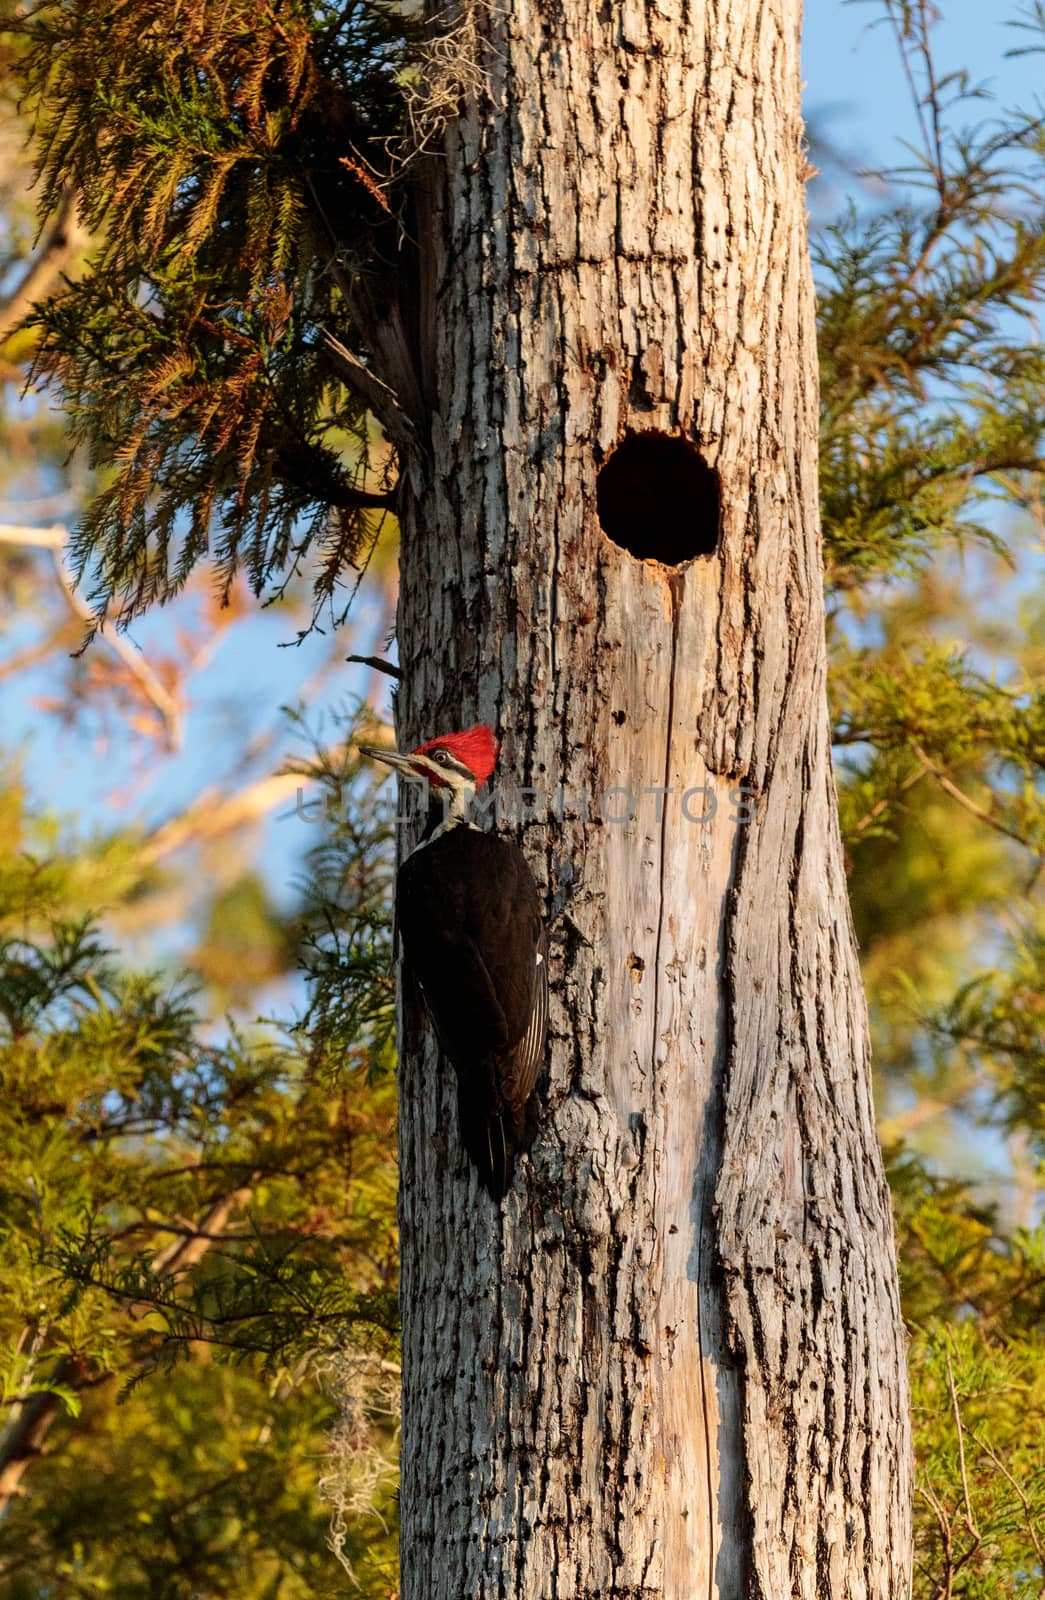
469,918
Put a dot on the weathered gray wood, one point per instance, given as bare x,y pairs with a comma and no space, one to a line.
673,1364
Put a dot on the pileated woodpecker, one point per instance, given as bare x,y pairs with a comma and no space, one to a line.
469,918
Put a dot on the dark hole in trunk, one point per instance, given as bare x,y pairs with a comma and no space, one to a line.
658,499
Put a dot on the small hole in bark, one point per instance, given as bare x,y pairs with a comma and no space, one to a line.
658,499
620,718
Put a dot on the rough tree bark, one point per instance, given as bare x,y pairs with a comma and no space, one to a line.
672,1365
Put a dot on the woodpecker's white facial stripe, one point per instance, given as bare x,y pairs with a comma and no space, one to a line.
448,766
446,773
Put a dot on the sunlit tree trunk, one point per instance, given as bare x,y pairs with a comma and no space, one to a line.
672,1363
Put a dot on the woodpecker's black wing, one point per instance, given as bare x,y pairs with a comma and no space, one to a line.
469,917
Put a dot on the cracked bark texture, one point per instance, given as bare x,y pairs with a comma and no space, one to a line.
672,1364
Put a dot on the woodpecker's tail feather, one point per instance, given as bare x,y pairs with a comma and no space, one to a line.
492,1141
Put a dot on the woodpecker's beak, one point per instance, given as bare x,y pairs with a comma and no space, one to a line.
391,758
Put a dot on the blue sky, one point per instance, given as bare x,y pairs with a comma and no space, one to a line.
855,87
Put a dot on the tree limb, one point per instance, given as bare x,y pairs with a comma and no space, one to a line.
52,538
883,804
25,1435
380,399
950,787
185,1251
213,814
378,663
61,242
165,702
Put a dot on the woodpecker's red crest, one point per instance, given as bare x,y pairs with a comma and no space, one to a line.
476,748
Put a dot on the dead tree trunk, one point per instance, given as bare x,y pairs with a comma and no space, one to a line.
672,1365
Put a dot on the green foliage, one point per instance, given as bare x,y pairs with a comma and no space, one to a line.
995,1027
933,385
931,473
347,944
932,379
202,1484
933,418
170,1200
43,877
980,1409
974,1293
225,156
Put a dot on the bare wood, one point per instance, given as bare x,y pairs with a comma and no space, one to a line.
52,538
378,664
62,241
381,400
55,539
189,1248
166,703
673,1364
24,1437
213,814
949,786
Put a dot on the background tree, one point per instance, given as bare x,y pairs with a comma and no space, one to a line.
931,449
168,1199
175,1193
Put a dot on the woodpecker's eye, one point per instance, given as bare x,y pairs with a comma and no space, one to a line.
442,756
